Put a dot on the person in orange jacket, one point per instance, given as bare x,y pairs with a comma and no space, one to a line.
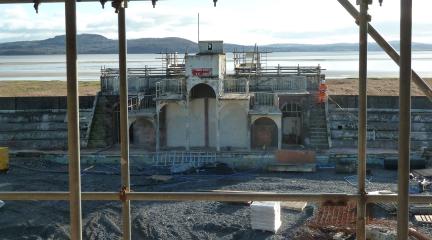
322,92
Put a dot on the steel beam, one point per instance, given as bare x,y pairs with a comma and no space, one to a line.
404,118
73,121
362,121
391,52
124,125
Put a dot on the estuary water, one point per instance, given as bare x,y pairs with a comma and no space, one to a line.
337,64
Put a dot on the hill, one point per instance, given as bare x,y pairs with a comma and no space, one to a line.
97,44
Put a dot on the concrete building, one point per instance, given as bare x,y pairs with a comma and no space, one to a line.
192,103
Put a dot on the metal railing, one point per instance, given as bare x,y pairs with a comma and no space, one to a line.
269,100
141,102
289,84
169,87
280,70
236,85
192,159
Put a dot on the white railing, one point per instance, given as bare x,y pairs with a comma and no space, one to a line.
192,159
236,86
170,86
265,99
288,84
141,103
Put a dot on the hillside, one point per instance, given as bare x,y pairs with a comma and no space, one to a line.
97,44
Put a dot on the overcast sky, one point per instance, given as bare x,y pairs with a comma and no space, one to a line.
234,21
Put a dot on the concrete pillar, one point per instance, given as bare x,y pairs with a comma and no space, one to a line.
217,125
249,124
187,123
157,127
280,134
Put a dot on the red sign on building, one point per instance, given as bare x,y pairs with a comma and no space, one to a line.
202,72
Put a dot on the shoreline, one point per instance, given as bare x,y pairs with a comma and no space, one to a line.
343,86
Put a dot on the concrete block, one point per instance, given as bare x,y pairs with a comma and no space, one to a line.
293,157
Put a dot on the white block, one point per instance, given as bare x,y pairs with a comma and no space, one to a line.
266,216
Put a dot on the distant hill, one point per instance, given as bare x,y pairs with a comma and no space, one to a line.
97,44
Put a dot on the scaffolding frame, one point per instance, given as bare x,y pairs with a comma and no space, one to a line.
75,196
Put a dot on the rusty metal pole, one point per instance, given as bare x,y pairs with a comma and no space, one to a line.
362,120
124,125
73,121
404,118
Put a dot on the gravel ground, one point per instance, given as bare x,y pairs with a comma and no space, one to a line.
161,220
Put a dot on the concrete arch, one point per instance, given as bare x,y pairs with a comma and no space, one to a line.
142,133
264,133
202,90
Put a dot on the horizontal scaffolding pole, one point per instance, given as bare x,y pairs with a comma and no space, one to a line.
209,196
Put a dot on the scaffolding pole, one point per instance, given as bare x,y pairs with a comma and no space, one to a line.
124,126
391,52
362,121
73,121
404,118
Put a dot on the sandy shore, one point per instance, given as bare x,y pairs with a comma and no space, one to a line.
44,88
376,87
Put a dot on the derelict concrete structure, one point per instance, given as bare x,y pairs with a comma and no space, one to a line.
75,196
196,105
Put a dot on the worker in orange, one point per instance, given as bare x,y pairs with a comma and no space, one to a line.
322,92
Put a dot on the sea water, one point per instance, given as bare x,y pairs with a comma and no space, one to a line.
337,64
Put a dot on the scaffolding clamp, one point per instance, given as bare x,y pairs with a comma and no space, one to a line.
103,3
123,192
36,5
117,4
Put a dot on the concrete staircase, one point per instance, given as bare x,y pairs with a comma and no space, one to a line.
44,129
318,128
101,134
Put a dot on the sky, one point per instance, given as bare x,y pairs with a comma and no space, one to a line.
234,21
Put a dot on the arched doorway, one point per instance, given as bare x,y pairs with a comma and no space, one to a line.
202,110
291,123
264,134
142,133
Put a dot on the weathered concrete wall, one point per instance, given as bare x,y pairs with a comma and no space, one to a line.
38,129
176,117
39,122
212,122
383,123
197,124
215,62
234,124
32,103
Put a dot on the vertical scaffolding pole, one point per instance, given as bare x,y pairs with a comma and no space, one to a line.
362,120
73,122
124,126
404,117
